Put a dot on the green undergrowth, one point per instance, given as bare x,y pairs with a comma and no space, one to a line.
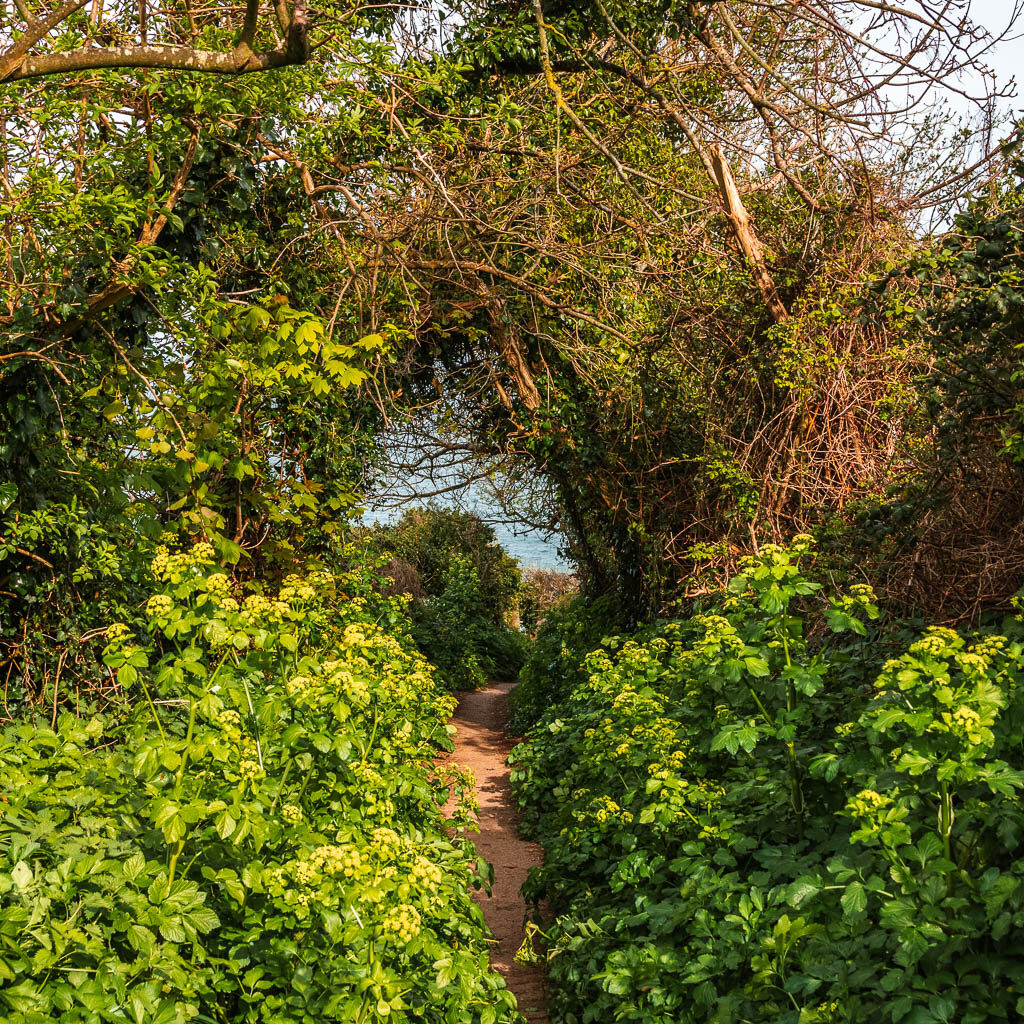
555,665
458,632
463,586
256,835
774,811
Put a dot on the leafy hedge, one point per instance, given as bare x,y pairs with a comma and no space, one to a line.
741,824
457,632
468,586
555,665
258,838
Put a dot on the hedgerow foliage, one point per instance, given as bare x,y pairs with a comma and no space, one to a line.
951,539
555,665
544,590
466,586
257,836
747,818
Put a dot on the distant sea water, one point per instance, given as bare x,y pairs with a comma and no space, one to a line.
532,548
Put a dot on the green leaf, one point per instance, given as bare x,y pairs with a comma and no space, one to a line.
203,919
141,938
134,866
8,495
21,874
225,824
308,333
802,889
172,930
446,971
854,899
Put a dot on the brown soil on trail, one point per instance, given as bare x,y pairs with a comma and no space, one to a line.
482,745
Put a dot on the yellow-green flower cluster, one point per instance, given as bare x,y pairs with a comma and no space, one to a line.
387,841
424,874
965,721
403,922
860,600
937,640
259,610
305,872
867,804
446,704
972,663
354,634
174,567
604,809
159,605
299,879
248,761
217,583
295,589
337,860
374,804
718,631
300,686
987,646
355,689
978,658
291,813
629,700
161,559
931,643
714,623
231,722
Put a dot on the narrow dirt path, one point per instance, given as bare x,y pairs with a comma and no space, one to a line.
482,745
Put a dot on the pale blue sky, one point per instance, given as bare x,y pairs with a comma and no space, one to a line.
1007,57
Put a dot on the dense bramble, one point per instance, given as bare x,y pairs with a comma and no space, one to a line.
260,841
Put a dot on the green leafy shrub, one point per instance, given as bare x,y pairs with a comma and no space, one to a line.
460,638
544,590
947,539
555,665
259,839
466,589
745,824
430,538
